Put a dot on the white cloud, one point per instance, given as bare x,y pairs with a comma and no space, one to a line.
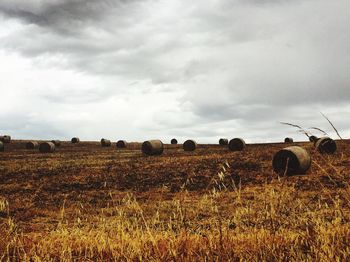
145,69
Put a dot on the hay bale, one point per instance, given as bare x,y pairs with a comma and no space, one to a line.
288,140
75,140
236,144
47,147
189,145
57,143
152,147
223,141
122,144
291,160
2,147
326,145
32,145
173,141
5,139
105,142
313,138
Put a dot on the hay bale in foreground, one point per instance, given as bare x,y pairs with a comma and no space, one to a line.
57,143
2,147
105,142
173,141
223,141
32,145
236,144
326,145
152,147
288,140
47,147
291,160
189,145
122,144
75,140
5,139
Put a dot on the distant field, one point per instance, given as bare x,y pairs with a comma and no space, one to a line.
85,202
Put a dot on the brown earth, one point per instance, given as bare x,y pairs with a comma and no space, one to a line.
83,179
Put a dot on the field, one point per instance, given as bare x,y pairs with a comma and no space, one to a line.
89,203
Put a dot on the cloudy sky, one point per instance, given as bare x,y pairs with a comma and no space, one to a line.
141,69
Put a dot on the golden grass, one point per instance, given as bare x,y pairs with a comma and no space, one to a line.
270,223
261,218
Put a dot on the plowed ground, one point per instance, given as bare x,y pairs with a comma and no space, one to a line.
86,175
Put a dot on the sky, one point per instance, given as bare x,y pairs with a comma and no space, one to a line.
146,69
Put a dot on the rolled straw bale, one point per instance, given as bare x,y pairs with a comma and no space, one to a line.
189,145
236,144
122,144
75,140
326,145
291,160
313,138
105,142
47,147
56,142
152,147
5,139
288,140
32,145
173,141
223,141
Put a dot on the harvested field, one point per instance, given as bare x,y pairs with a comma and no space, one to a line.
87,202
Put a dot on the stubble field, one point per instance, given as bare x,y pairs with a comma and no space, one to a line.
88,203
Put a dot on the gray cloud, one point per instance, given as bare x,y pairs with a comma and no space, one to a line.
58,14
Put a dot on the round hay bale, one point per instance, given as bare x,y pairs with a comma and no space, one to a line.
75,140
47,147
122,144
57,143
288,140
152,147
313,138
291,160
105,142
173,141
236,144
223,141
326,145
2,147
189,145
5,139
32,145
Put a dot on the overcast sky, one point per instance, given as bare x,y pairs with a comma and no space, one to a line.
143,69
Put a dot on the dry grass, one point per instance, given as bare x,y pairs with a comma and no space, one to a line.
243,212
334,128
